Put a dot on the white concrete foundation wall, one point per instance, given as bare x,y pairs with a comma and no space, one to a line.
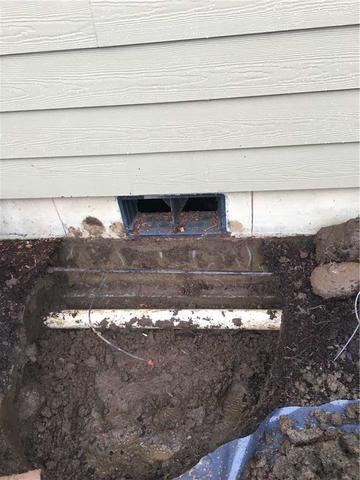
296,212
275,213
60,217
239,213
303,211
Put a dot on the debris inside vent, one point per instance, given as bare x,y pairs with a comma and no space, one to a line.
173,215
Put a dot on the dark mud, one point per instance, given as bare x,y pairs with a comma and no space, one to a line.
119,418
313,331
21,264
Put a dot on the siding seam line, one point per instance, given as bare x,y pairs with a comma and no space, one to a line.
356,142
341,25
176,102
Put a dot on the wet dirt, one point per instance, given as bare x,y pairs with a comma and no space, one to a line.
121,418
93,226
21,264
85,411
313,331
322,451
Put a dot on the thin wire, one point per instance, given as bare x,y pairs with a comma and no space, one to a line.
357,313
98,334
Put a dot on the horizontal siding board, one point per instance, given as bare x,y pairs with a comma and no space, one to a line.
130,22
259,169
288,62
309,118
43,25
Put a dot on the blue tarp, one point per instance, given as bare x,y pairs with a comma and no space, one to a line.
229,461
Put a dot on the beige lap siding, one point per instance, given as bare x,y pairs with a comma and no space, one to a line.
242,66
215,171
42,25
191,97
301,119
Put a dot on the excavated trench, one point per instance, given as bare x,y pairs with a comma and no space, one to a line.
84,410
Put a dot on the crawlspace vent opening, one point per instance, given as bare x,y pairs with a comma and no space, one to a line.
173,215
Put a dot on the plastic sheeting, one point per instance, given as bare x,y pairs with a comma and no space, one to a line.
228,462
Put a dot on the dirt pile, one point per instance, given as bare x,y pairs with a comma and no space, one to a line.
317,452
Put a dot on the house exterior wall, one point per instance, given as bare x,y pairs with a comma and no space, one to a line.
255,99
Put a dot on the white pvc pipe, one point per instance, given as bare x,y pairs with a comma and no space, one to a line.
163,318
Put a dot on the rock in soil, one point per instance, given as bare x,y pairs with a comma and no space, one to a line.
33,475
339,243
335,279
304,436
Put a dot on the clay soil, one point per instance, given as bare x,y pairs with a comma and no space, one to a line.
322,450
84,411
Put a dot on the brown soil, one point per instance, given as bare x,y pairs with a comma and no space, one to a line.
21,263
313,331
88,412
320,452
120,418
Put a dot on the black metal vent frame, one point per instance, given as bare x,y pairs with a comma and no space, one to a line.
129,210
